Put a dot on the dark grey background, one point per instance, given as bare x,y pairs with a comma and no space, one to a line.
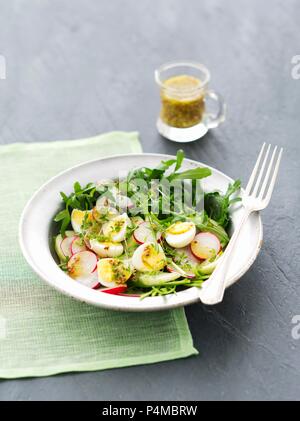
77,68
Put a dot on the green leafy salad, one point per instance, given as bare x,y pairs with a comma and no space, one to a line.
151,233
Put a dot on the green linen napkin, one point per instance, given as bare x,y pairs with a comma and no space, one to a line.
43,332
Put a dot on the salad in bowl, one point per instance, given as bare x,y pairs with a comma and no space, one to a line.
152,232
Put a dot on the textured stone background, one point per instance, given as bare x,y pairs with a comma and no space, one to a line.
77,68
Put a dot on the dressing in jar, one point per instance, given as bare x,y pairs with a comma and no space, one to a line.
184,92
182,101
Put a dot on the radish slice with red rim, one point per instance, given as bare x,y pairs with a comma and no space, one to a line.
188,256
185,258
144,234
82,264
97,285
124,202
87,243
65,246
205,245
77,245
90,280
115,290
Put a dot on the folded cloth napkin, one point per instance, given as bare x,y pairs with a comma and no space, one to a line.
43,332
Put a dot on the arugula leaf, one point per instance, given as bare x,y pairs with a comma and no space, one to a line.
164,165
77,187
193,174
179,159
82,198
157,173
61,215
64,197
65,223
217,205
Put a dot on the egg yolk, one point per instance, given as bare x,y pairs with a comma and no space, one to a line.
79,215
179,228
153,258
113,270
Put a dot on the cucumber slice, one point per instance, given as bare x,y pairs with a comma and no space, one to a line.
145,280
131,243
57,245
58,250
207,267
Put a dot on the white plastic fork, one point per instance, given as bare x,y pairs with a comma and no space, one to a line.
255,198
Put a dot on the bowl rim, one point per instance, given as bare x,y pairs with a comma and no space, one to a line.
187,296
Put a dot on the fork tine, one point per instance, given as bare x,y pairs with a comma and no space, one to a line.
252,176
272,183
267,176
261,172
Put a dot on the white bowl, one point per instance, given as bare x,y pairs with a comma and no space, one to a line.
36,231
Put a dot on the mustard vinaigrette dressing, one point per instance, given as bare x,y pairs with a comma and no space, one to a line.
186,112
183,103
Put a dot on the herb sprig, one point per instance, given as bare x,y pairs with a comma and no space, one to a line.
82,198
217,205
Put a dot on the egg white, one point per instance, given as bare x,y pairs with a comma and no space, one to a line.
77,217
185,235
113,272
140,258
106,249
115,229
104,207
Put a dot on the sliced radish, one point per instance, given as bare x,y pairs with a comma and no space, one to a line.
144,234
137,220
90,281
87,242
103,202
124,202
205,245
173,267
97,285
130,204
77,245
184,257
66,246
115,290
82,264
190,258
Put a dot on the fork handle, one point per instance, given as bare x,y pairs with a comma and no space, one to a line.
212,291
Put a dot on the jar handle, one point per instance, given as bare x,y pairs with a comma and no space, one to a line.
213,120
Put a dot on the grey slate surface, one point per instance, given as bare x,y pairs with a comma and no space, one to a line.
77,68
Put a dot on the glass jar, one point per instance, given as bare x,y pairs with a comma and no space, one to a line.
184,116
